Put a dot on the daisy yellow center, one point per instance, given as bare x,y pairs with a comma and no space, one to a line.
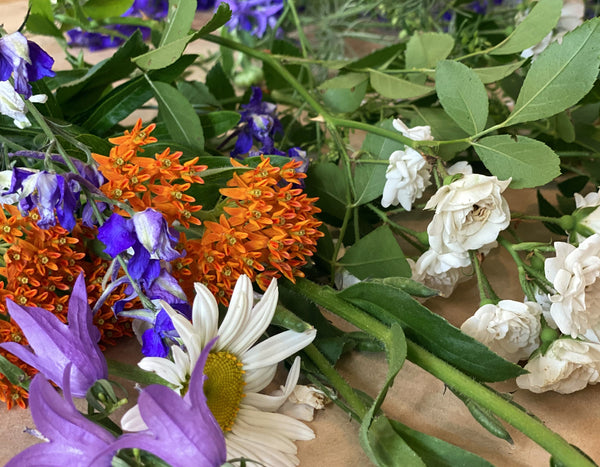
224,387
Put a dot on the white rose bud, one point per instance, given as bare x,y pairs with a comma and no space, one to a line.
592,220
567,366
574,274
417,133
469,215
511,329
407,176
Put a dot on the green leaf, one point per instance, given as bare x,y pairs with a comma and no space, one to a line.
381,443
197,94
112,69
219,85
562,75
272,77
179,115
134,373
424,50
169,52
41,19
13,373
376,255
397,88
536,25
407,285
564,127
379,57
529,162
217,123
100,9
392,305
179,20
548,210
434,451
443,128
492,74
328,182
345,93
462,95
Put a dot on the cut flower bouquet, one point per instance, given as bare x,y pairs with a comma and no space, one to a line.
257,211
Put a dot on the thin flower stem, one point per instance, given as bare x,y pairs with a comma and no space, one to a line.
421,237
11,144
486,292
336,380
557,446
338,244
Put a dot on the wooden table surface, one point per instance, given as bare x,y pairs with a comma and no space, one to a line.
417,399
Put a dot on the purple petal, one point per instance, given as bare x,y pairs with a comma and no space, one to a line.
117,234
41,63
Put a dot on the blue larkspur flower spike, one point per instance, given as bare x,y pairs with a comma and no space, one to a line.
183,422
72,438
57,345
258,121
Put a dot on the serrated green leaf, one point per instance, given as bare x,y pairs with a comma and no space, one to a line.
462,95
179,20
492,74
397,88
217,123
100,9
528,162
536,25
179,115
562,75
443,128
392,305
41,19
376,255
424,50
326,181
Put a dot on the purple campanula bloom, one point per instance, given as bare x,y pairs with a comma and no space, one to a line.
24,60
254,16
186,423
57,345
153,339
72,438
258,122
154,233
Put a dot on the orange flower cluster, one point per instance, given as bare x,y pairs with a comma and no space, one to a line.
146,182
266,231
40,267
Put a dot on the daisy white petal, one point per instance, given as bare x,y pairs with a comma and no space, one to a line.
273,403
237,314
205,314
283,424
260,378
277,348
163,367
259,319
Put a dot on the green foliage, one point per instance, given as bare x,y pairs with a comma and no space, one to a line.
397,88
536,25
376,255
528,162
179,21
344,93
462,95
100,9
562,75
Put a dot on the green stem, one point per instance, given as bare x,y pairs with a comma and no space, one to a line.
486,292
336,380
557,446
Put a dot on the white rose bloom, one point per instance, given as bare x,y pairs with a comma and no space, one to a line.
511,329
574,272
437,271
469,215
460,167
571,16
592,221
567,366
407,176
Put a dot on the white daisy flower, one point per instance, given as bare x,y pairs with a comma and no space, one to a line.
236,371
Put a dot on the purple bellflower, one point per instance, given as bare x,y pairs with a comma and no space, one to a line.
185,423
258,122
24,60
58,345
72,439
254,16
